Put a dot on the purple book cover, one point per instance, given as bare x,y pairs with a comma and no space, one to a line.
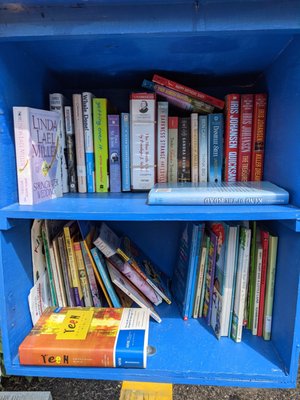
114,153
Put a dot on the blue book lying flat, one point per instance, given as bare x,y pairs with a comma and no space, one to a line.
223,193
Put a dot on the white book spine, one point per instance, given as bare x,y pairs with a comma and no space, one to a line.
194,148
79,143
162,141
257,290
88,140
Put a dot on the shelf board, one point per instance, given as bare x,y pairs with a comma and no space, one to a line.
134,207
220,362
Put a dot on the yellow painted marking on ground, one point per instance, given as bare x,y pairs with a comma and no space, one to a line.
146,391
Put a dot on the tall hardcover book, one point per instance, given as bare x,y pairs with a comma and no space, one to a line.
57,102
232,115
173,150
114,148
88,337
38,150
215,147
162,141
125,151
79,143
100,144
71,152
194,148
87,113
258,136
257,286
203,148
245,138
142,140
184,149
265,248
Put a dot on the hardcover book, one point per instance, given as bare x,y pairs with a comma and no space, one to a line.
125,152
38,152
162,141
114,147
173,149
215,147
184,149
224,193
71,152
87,113
231,139
88,337
142,140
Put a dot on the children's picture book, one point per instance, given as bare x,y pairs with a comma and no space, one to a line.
221,193
130,290
38,154
88,337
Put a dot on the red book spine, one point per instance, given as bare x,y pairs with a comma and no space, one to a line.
189,91
245,138
265,248
232,114
258,137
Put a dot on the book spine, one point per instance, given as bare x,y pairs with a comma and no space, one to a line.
114,146
66,272
57,102
203,288
257,289
49,267
23,154
62,298
258,136
209,278
96,301
245,138
125,152
199,284
194,148
87,109
215,147
189,91
100,144
232,114
265,249
87,297
162,141
142,140
79,143
184,149
178,99
173,149
251,283
202,148
70,143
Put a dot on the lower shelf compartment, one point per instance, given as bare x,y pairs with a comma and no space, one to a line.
188,352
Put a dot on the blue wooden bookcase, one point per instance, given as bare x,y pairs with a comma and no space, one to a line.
110,47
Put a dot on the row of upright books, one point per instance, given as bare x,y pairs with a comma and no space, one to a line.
84,145
226,276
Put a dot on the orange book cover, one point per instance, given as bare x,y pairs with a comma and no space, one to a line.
93,337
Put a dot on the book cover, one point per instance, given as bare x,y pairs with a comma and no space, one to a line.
38,154
173,149
265,248
102,268
162,141
114,147
37,250
125,152
270,286
100,144
203,148
130,290
224,193
183,277
142,140
215,147
88,337
258,136
57,102
194,148
189,91
231,136
87,114
79,143
71,153
184,149
245,138
241,284
178,99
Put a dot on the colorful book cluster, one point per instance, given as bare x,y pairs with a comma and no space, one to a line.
226,275
78,264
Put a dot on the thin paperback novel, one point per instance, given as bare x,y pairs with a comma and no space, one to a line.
88,337
38,154
223,193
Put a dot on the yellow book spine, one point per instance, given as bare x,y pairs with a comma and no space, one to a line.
88,301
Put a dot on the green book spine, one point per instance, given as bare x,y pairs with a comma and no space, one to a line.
100,144
270,285
251,287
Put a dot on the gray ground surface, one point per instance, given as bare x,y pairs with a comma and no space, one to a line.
77,389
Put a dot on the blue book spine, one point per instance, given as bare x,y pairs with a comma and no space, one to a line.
88,140
130,348
114,153
215,147
125,147
100,263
